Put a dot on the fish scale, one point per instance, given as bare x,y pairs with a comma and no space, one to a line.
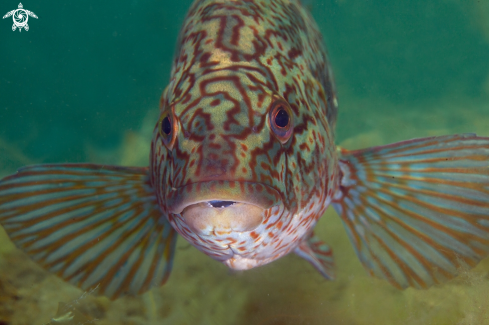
243,165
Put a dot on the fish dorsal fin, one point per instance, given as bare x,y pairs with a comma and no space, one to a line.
92,225
417,211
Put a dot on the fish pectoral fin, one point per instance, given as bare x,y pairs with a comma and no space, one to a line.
92,225
318,254
417,211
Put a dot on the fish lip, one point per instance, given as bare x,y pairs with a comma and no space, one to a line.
255,193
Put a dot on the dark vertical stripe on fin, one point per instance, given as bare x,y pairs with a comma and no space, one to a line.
90,224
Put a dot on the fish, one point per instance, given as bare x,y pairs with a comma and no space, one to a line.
243,164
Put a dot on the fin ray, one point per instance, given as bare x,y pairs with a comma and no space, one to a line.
418,210
320,255
90,224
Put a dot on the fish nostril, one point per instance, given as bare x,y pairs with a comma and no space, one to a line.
221,204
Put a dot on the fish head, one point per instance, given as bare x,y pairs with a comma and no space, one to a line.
221,155
225,166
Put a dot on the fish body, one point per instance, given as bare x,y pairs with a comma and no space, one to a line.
235,63
243,164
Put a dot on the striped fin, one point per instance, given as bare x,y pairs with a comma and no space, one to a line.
318,254
90,224
417,211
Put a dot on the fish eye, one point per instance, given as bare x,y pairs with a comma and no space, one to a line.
168,128
166,125
280,120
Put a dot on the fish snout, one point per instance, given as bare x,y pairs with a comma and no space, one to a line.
222,206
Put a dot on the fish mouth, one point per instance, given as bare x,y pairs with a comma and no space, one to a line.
222,206
222,194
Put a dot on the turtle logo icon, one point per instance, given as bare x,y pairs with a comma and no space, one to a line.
20,17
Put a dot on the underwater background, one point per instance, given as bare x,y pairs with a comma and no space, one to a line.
83,84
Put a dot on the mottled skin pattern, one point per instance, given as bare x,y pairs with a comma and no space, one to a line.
235,61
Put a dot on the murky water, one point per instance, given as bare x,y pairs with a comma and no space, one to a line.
83,84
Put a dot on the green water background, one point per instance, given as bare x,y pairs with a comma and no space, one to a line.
81,83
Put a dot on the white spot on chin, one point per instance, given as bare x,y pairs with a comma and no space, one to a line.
240,263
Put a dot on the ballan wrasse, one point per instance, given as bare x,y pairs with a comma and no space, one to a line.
243,164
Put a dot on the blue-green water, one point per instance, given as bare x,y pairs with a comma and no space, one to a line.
81,83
